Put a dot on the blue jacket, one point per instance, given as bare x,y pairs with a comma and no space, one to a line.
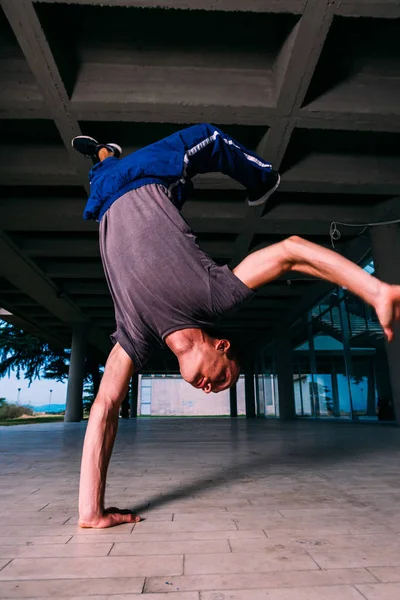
172,162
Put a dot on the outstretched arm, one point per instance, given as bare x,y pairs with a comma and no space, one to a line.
99,442
296,254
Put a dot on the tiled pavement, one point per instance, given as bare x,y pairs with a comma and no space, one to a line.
234,510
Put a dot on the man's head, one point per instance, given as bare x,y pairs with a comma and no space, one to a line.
211,365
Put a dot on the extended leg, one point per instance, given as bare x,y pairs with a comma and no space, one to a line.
296,254
99,441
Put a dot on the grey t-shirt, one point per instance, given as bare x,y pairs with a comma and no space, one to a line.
159,278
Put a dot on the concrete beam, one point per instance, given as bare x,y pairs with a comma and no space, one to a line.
174,112
301,53
347,121
25,165
94,302
271,6
30,280
72,270
387,210
89,288
33,328
63,248
25,214
294,68
378,9
33,43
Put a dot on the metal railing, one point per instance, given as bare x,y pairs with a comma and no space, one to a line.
360,317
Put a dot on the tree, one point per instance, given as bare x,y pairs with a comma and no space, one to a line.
23,352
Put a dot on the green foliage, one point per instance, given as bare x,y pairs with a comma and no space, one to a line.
88,396
22,352
13,411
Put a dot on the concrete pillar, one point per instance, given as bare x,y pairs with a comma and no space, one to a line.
76,374
284,370
386,253
134,395
233,401
249,391
124,410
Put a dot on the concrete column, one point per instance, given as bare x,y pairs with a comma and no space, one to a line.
233,401
249,391
386,253
284,370
76,374
134,395
124,410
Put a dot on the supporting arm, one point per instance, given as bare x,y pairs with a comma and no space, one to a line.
99,442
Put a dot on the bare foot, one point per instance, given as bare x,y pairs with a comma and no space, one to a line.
112,516
387,308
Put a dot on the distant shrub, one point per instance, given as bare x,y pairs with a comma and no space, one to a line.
13,411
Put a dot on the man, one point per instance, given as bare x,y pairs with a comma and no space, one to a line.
165,289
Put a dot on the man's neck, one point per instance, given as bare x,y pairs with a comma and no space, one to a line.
182,341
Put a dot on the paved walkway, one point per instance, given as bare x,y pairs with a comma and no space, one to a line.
234,510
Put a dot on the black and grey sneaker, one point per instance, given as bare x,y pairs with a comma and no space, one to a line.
260,196
90,147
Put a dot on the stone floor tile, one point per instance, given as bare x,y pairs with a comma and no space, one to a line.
316,593
172,547
350,558
56,530
273,560
54,588
341,541
169,596
192,525
37,518
24,540
380,591
56,550
72,568
4,562
316,528
386,574
175,536
261,580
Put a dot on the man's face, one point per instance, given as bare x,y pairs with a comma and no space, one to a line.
208,368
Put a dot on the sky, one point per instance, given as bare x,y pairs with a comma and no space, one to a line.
38,394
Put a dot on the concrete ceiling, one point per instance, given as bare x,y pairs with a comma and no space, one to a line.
313,86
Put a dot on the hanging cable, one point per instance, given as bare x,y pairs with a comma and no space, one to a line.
335,233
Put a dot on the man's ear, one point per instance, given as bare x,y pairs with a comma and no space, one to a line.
223,345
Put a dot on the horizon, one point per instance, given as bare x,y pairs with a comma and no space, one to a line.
37,394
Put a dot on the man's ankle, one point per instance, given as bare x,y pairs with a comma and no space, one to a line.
104,153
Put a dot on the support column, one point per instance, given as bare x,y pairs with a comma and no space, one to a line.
124,410
386,253
284,369
348,361
76,374
249,391
134,395
233,400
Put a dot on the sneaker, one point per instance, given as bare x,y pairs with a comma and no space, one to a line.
265,193
89,147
